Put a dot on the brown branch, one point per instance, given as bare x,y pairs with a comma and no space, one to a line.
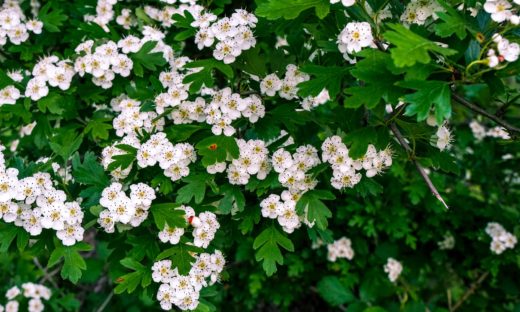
470,291
510,128
418,166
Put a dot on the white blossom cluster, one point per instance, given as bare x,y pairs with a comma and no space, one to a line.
418,11
501,239
224,108
183,291
173,159
34,204
447,243
14,24
353,38
233,34
480,132
253,160
131,121
106,60
283,209
503,10
341,248
292,169
104,14
393,268
345,169
122,209
293,175
288,87
505,51
49,71
36,293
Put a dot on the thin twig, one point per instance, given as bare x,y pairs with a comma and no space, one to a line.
470,291
105,303
423,173
510,128
46,275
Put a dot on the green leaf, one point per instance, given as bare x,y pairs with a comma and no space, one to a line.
54,20
325,77
168,214
290,9
147,59
232,195
359,140
99,128
73,262
65,143
316,209
90,172
217,149
378,81
205,75
428,92
194,189
411,48
129,282
181,256
267,248
332,291
51,103
8,233
453,22
123,161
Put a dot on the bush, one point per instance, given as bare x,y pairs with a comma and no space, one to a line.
301,155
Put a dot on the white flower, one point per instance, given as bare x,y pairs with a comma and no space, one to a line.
226,51
499,9
171,235
36,89
270,85
354,37
444,138
35,26
393,268
9,95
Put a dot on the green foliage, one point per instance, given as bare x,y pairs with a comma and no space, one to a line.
166,214
333,291
411,48
311,202
147,59
73,262
129,282
436,93
204,77
290,9
268,251
408,77
218,148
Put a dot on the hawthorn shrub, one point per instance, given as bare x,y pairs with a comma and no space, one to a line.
219,155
